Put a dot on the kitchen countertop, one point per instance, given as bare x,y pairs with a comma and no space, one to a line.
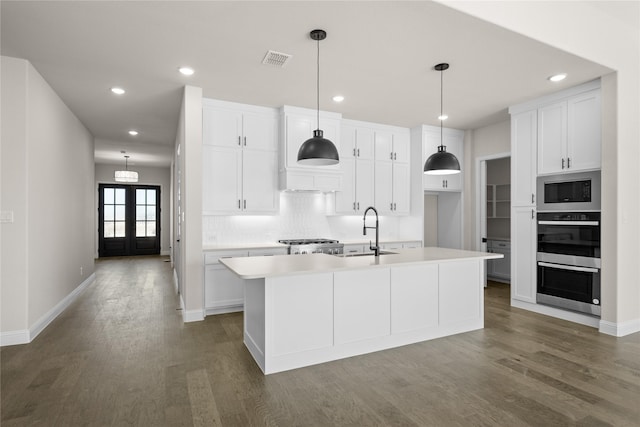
282,265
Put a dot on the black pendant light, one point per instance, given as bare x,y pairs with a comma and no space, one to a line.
318,151
441,163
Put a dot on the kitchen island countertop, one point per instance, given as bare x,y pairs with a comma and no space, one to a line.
283,265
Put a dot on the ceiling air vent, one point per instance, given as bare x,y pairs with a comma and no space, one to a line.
278,59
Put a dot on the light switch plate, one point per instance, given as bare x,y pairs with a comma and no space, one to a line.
6,216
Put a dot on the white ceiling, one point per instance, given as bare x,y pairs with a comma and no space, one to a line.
379,55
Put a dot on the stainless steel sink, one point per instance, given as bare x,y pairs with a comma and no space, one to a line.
365,254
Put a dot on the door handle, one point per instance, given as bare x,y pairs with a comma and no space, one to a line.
568,267
484,240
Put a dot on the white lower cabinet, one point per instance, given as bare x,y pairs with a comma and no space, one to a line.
460,298
523,259
499,269
223,289
361,305
302,313
414,298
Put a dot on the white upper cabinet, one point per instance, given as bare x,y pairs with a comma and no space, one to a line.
453,140
569,134
392,171
240,162
584,131
297,126
523,158
357,161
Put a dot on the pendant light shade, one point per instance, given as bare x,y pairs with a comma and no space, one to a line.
318,151
126,175
441,163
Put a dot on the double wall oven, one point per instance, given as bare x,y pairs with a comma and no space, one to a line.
568,255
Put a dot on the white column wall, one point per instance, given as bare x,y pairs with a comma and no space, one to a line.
606,33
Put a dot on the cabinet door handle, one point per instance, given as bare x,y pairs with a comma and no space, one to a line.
532,214
358,152
391,206
239,140
245,141
238,203
391,155
395,156
358,205
354,152
245,204
531,198
563,163
354,206
568,162
394,207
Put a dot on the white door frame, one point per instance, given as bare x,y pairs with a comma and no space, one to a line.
481,201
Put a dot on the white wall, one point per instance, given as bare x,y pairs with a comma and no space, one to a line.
189,270
483,142
146,176
607,33
47,181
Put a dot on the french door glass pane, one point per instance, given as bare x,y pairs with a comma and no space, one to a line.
120,196
108,213
140,196
151,228
109,230
151,197
120,212
151,213
120,229
140,213
140,229
108,196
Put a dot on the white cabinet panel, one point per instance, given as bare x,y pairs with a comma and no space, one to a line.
384,187
584,132
221,127
221,179
361,305
260,132
260,181
301,309
223,289
459,292
357,163
401,188
552,138
523,257
414,298
523,158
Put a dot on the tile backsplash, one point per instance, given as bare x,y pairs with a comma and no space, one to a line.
301,215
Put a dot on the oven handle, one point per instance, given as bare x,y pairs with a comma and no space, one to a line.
568,267
594,223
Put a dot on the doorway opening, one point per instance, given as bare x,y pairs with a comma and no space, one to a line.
443,219
128,220
495,215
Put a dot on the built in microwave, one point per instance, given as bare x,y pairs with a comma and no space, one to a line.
569,192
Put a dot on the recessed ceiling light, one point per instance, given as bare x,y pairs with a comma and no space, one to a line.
187,71
133,132
338,98
117,90
443,117
558,77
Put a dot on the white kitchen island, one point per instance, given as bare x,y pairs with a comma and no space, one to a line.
302,310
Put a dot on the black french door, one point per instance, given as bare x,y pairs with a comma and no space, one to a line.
129,220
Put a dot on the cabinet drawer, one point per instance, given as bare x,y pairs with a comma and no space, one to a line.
213,257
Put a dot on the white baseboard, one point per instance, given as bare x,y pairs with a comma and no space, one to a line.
620,329
192,316
26,336
223,310
14,337
558,313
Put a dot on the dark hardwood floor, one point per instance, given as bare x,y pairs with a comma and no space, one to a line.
120,355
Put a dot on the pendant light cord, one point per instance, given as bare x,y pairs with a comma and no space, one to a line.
441,108
318,87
